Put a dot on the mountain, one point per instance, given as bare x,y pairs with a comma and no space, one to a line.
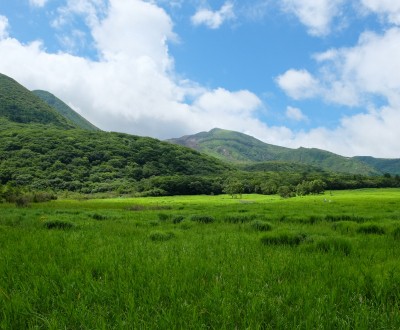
19,105
391,166
41,149
65,110
239,148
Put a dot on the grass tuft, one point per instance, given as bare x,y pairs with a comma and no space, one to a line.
283,238
260,225
371,228
335,245
161,236
203,218
58,224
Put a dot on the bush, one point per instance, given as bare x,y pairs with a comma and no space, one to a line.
160,236
41,197
371,228
338,245
58,224
202,218
283,238
261,225
22,201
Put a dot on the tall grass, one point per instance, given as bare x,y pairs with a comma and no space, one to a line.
128,274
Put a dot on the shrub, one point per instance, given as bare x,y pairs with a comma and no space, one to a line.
338,245
41,197
161,236
261,225
202,218
22,201
371,228
283,238
58,224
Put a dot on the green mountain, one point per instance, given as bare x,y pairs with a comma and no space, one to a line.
19,105
41,149
391,166
239,148
65,110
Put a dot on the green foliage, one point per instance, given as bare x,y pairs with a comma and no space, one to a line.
65,110
237,218
20,105
233,187
286,191
98,162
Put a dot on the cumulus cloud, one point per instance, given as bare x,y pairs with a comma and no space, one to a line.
367,69
298,84
132,87
295,114
355,76
388,9
214,19
317,16
3,27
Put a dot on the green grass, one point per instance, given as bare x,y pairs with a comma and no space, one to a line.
144,264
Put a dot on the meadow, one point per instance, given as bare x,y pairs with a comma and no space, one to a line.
326,261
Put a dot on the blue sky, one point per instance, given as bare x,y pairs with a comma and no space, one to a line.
312,73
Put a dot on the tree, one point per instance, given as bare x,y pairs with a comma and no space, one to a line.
233,187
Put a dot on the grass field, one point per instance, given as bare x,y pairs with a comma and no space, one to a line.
260,262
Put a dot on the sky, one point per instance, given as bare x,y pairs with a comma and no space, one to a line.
312,73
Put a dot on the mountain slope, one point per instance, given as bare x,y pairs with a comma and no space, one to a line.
19,105
238,148
65,110
42,156
391,166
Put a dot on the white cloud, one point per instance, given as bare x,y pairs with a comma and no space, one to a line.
366,70
214,19
355,76
295,114
3,27
132,87
37,3
298,84
388,9
316,15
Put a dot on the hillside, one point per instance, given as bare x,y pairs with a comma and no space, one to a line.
391,166
19,105
41,149
41,156
237,147
65,110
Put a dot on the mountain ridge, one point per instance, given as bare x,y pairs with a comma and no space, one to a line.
63,109
237,148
